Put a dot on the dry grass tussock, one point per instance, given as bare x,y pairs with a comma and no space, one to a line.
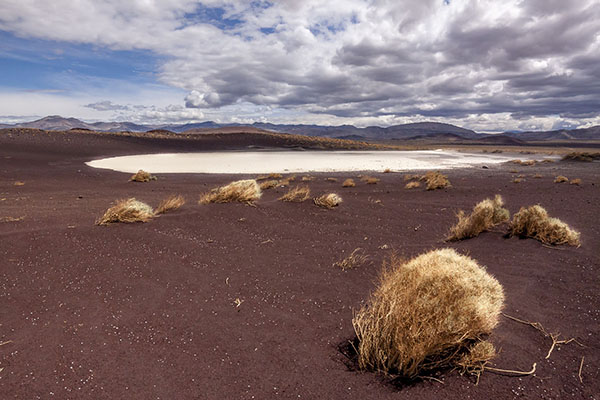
427,313
412,185
537,176
517,180
410,177
297,194
349,183
354,260
435,180
268,184
142,176
534,222
576,181
331,179
245,191
561,179
128,211
387,171
307,178
525,163
19,183
329,200
272,175
581,156
486,214
372,181
171,203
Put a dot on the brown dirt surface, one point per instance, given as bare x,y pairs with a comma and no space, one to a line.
230,301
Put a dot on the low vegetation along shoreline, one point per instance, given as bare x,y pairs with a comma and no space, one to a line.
329,285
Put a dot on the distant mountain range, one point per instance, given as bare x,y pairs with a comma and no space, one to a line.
420,130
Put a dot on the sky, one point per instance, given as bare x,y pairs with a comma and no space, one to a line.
486,65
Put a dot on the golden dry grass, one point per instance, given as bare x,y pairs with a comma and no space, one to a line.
329,200
517,180
331,179
485,215
273,175
372,181
142,176
297,194
561,179
128,211
307,178
354,260
474,360
244,191
349,183
268,184
426,313
410,177
171,203
19,183
436,180
576,181
387,171
525,163
12,219
412,185
535,222
284,182
537,176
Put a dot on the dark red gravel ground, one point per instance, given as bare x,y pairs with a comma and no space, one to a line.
147,311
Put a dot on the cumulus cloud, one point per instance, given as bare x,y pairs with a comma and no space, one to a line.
106,105
517,62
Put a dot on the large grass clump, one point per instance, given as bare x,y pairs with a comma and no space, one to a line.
436,180
128,211
427,313
142,176
485,215
534,222
297,194
329,200
171,203
245,191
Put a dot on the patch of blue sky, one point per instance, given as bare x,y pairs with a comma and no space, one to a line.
34,64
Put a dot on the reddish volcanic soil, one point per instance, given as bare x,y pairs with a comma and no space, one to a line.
148,310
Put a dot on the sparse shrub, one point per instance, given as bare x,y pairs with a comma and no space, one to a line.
575,181
525,163
307,178
275,175
171,203
427,313
349,183
268,184
297,194
534,222
387,171
410,177
537,176
128,211
331,179
355,259
19,183
244,191
517,180
284,182
328,200
486,214
435,180
412,185
142,176
581,156
561,179
372,180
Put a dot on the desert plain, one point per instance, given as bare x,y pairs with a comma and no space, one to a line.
237,301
